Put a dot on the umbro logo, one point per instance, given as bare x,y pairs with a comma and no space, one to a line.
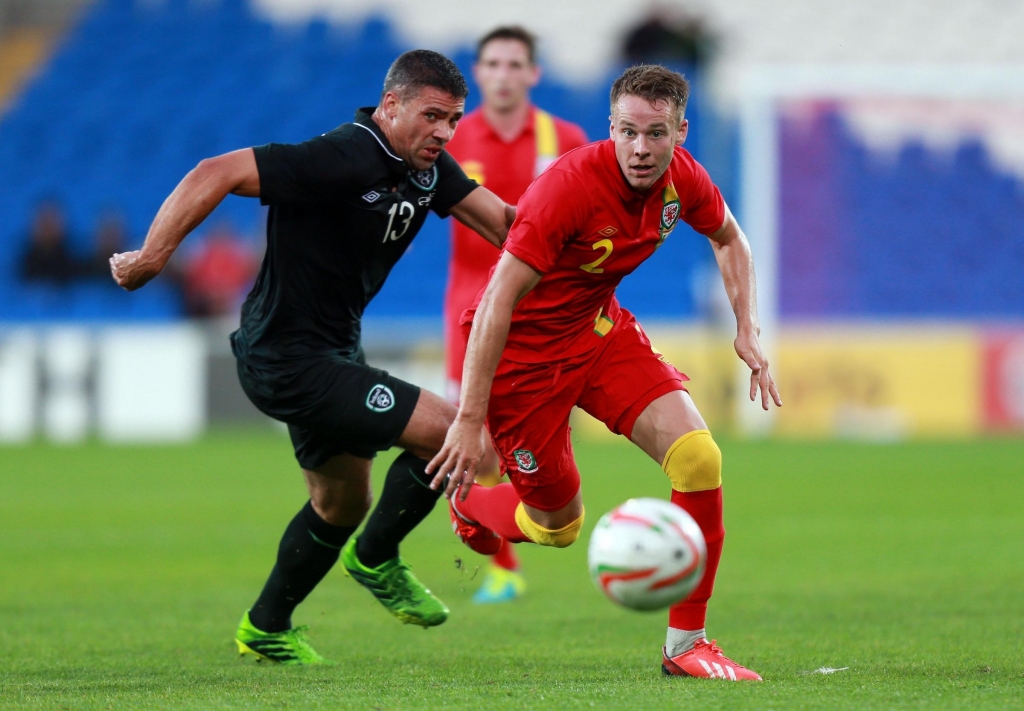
371,196
607,231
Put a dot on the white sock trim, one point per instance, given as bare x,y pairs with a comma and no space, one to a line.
679,641
459,513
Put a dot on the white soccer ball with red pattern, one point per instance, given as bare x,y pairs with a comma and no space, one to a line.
647,554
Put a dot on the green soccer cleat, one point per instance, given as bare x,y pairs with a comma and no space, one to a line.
288,647
397,589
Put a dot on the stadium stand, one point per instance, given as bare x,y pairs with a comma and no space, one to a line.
22,49
919,234
137,93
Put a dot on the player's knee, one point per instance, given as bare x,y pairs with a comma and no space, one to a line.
694,462
342,509
558,538
341,502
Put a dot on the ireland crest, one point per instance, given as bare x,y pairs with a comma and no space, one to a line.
380,399
525,461
424,179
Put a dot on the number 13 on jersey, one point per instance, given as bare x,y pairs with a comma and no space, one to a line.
405,213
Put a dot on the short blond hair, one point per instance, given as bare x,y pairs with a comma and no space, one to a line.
654,83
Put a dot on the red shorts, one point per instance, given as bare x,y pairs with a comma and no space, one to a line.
528,417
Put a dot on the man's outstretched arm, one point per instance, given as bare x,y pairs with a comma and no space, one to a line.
735,261
486,214
464,445
195,197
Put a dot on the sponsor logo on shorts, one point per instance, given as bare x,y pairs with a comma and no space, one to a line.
525,461
371,196
380,399
607,231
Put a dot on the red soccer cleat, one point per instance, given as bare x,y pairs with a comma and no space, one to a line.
705,661
480,538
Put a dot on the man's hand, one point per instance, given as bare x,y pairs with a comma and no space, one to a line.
748,348
459,457
131,271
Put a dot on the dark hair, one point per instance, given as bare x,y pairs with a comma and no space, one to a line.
509,32
421,68
652,82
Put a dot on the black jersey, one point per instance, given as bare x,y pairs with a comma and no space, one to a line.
343,210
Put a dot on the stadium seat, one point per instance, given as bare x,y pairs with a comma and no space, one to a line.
138,92
924,234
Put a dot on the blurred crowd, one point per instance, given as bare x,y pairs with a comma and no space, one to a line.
214,270
212,275
670,34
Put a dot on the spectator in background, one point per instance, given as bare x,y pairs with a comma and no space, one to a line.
218,275
46,258
669,34
111,238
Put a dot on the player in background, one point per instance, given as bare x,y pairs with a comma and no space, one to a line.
548,333
344,208
504,144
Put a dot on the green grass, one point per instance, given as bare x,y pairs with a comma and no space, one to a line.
123,572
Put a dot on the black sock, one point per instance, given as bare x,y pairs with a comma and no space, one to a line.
406,500
309,548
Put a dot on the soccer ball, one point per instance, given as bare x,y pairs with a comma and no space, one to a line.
647,554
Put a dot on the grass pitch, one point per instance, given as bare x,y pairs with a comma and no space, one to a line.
123,572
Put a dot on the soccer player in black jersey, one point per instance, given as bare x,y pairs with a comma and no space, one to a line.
343,209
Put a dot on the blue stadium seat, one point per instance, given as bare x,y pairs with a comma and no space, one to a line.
138,92
927,234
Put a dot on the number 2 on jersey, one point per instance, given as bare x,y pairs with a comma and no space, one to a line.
595,266
395,235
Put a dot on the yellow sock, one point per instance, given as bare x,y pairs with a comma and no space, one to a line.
694,462
558,538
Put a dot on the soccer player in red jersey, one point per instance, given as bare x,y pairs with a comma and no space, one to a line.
504,144
548,334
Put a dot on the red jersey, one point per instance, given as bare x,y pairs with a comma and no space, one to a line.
583,228
506,169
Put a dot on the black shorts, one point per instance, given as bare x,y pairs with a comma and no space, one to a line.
332,405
